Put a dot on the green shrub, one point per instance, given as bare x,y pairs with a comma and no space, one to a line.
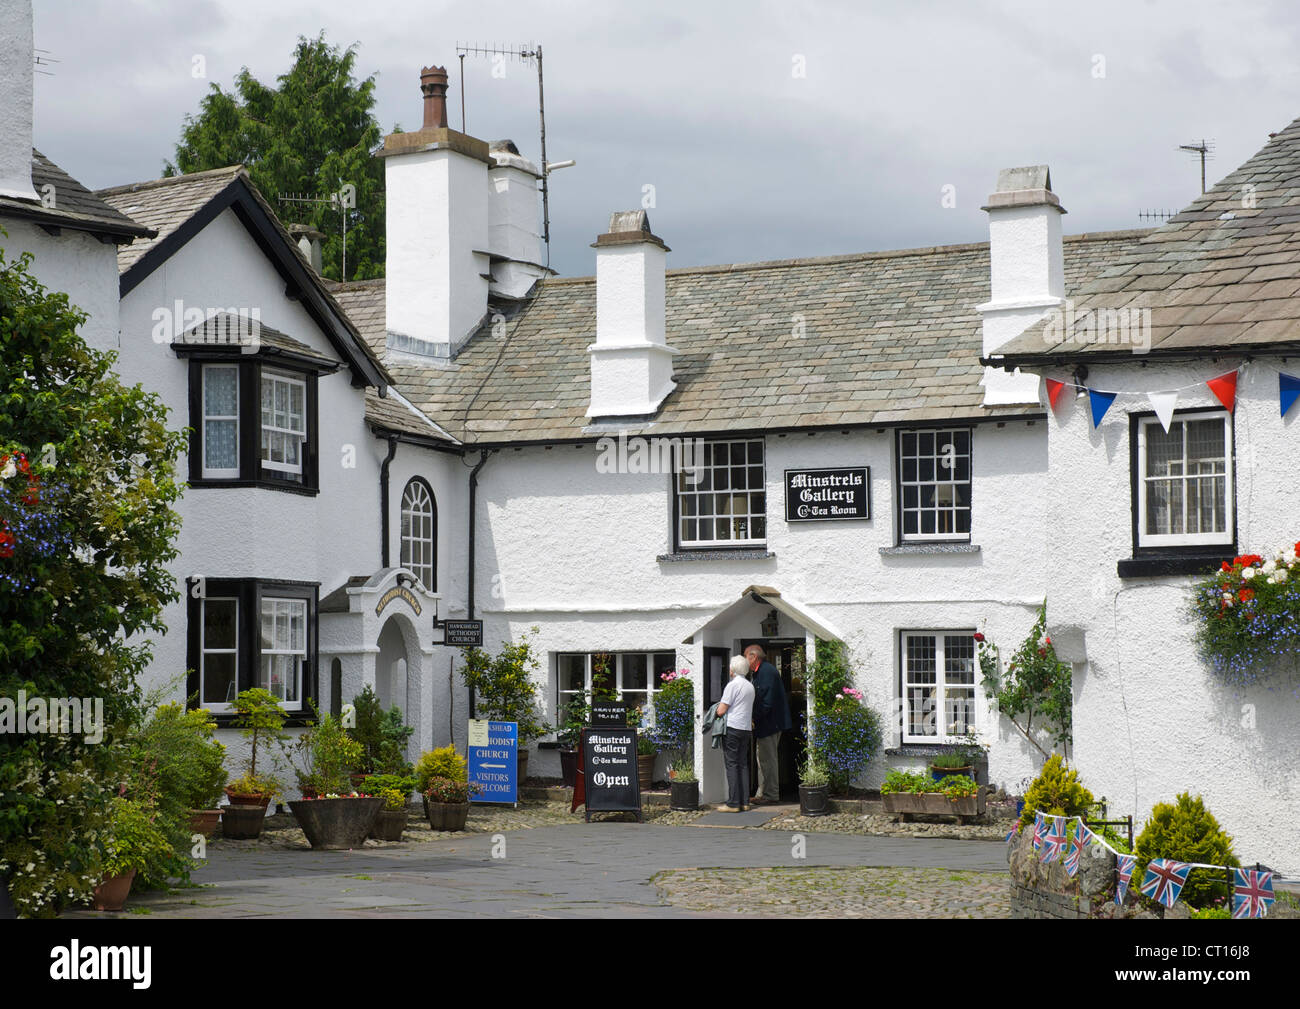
1211,912
382,734
377,784
260,719
831,673
505,685
845,737
327,756
136,840
443,762
1056,790
445,790
1187,832
902,781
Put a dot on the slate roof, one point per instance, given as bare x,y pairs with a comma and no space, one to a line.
225,329
888,338
393,413
1219,277
75,207
178,205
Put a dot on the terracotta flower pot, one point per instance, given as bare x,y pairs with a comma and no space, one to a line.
447,815
389,825
248,798
205,821
333,824
111,894
242,823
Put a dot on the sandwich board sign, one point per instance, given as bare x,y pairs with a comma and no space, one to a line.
610,782
493,755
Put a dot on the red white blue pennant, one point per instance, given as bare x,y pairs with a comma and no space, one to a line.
1164,880
1252,894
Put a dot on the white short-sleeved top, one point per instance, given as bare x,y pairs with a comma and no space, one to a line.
739,699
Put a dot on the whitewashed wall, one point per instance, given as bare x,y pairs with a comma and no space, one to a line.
574,552
1151,720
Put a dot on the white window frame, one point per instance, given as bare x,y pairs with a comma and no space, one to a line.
262,673
564,694
213,473
205,651
941,685
419,553
1220,538
290,380
952,485
691,486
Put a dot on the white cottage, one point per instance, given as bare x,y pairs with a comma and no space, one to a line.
795,374
1158,473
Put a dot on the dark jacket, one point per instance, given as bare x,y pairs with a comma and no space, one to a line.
715,725
771,709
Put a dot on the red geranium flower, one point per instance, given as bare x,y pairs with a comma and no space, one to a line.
1225,566
1246,595
978,636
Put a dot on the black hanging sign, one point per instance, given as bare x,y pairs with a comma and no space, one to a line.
463,633
813,495
610,780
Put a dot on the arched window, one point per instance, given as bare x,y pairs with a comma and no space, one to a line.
420,533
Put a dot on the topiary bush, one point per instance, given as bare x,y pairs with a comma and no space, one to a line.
1056,790
1187,832
845,737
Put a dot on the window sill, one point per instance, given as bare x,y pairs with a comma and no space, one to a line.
295,719
717,555
921,749
1202,563
280,485
909,549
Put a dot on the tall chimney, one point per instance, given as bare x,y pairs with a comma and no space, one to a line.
16,99
309,243
1027,272
436,194
631,362
514,237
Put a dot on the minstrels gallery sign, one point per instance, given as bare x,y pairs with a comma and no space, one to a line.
819,494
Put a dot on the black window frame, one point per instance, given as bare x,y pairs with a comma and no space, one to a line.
1177,559
745,547
249,592
900,537
251,471
401,542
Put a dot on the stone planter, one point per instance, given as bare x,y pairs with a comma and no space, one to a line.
389,825
205,821
814,800
908,804
333,824
569,767
447,815
685,795
242,823
111,894
645,769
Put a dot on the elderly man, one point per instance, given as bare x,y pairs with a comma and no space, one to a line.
771,718
737,705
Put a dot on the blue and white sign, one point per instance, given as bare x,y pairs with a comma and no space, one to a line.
493,760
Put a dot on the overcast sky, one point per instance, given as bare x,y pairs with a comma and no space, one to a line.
702,100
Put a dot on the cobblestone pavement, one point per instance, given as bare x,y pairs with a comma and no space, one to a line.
534,862
789,892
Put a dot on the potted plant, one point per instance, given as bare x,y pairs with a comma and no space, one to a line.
505,690
909,794
944,764
444,762
395,790
134,841
814,787
383,736
447,803
260,719
568,733
684,787
646,751
335,816
178,767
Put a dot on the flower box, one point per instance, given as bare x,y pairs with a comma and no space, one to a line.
907,804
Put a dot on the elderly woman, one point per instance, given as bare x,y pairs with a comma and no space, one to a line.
737,705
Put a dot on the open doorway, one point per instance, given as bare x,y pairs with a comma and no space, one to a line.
787,655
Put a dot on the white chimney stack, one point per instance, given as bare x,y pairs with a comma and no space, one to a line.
437,231
17,51
513,237
1027,272
631,362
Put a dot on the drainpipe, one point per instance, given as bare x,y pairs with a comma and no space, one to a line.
383,501
473,495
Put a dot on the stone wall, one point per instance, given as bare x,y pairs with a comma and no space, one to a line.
1041,890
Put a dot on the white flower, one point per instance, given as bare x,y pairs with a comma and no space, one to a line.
10,468
1278,577
1248,573
1288,556
1269,567
1227,599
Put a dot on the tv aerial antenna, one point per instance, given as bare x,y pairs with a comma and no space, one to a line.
1205,149
528,55
43,58
343,201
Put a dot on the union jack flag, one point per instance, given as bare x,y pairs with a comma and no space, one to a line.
1038,831
1054,839
1077,841
1011,835
1124,873
1253,893
1164,880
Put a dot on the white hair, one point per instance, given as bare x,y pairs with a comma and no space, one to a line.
739,665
